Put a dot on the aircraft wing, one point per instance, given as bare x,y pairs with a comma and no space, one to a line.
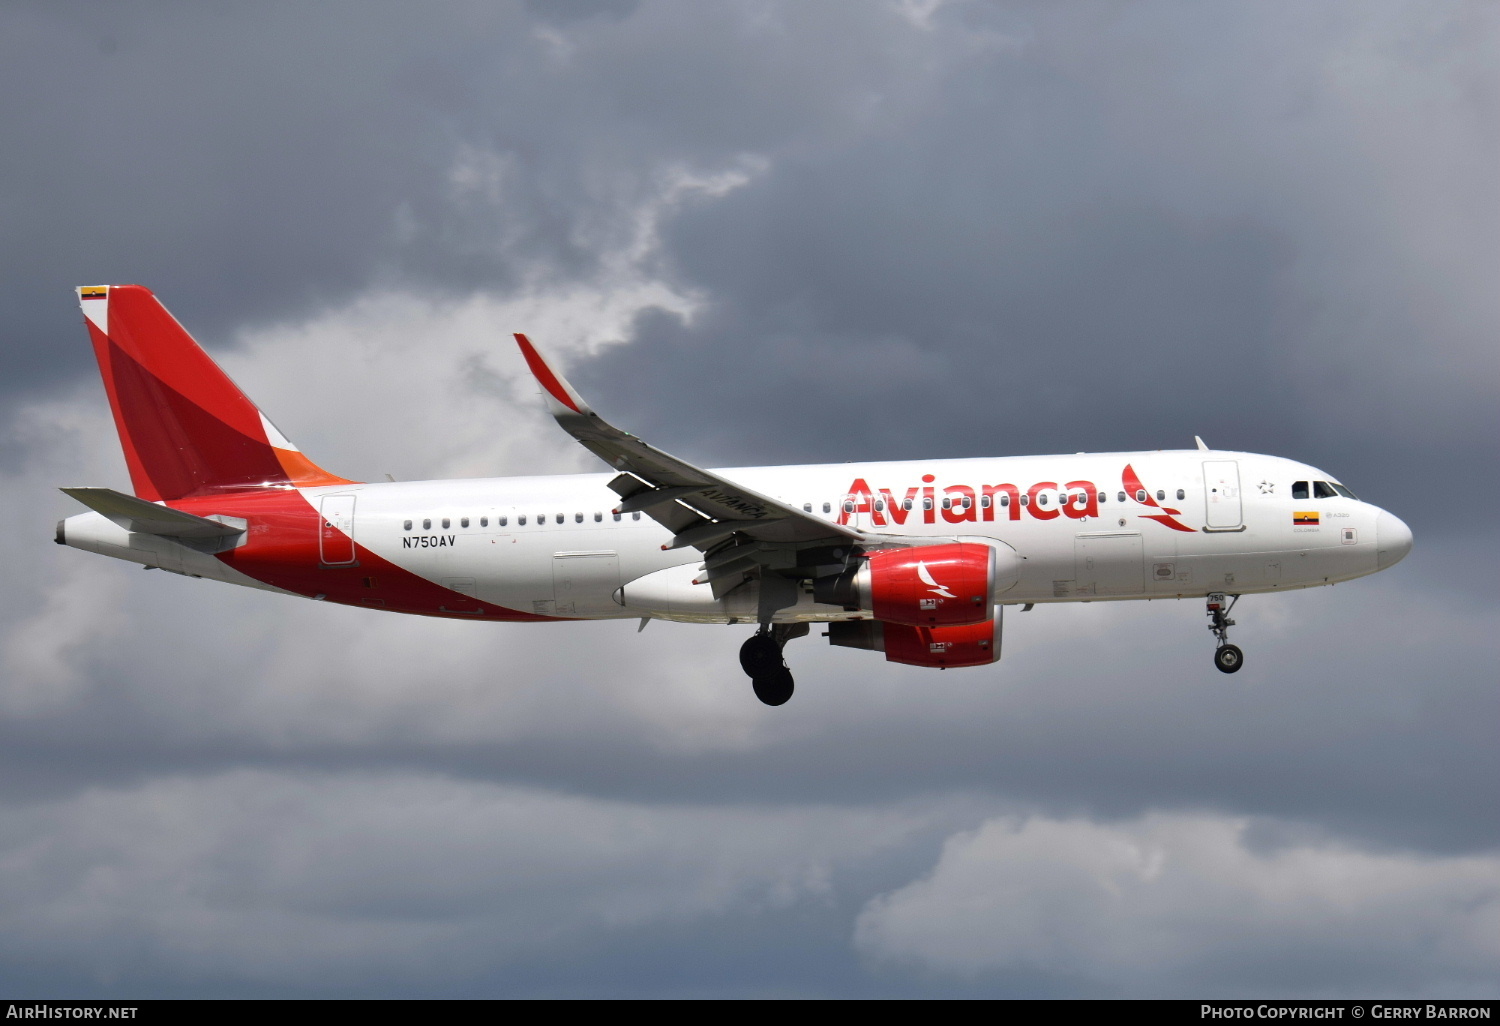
700,508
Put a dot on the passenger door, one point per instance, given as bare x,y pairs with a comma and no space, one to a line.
1221,495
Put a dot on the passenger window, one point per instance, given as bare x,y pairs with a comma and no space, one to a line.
968,502
1121,498
406,525
807,507
927,502
906,505
1005,500
1161,495
827,507
879,505
503,520
947,502
560,518
984,502
464,522
1181,494
616,516
484,521
521,520
598,518
1041,500
1026,500
1103,498
1321,490
577,518
848,508
635,516
446,523
1140,495
426,525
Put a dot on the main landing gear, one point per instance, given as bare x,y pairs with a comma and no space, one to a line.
760,658
1228,658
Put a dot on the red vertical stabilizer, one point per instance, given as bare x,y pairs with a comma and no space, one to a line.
185,427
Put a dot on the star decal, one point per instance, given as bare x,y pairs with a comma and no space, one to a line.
1267,487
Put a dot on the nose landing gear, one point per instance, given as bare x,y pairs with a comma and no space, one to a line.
760,658
1227,658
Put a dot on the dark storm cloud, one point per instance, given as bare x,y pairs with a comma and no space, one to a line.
202,151
1071,248
254,164
259,163
1096,710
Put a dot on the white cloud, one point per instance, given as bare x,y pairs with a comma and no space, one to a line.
1177,904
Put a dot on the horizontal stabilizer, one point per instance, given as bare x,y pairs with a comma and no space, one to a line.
144,517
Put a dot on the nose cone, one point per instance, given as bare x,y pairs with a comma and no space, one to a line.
1392,540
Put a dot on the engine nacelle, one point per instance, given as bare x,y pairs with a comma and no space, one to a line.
970,644
925,586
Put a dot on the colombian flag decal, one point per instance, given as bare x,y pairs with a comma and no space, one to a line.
93,292
1305,519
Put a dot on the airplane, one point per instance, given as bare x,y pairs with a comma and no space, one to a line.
916,559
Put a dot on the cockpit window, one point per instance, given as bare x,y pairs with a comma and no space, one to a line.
1346,493
1323,490
1299,490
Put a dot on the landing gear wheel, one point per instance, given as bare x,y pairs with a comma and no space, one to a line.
760,656
775,688
1229,658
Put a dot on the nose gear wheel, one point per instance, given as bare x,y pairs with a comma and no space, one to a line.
1227,658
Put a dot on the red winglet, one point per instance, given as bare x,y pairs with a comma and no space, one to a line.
555,386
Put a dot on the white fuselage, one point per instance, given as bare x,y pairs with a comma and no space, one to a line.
551,546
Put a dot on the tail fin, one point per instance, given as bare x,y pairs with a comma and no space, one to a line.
185,427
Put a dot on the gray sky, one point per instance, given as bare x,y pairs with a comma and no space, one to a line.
759,233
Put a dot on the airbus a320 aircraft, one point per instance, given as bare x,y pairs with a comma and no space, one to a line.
916,560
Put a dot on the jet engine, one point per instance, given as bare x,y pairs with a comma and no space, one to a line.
925,586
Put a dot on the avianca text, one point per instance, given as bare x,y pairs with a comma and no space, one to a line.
961,503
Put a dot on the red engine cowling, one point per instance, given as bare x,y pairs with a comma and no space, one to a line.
930,585
970,644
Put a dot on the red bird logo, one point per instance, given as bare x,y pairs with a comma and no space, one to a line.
1138,492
